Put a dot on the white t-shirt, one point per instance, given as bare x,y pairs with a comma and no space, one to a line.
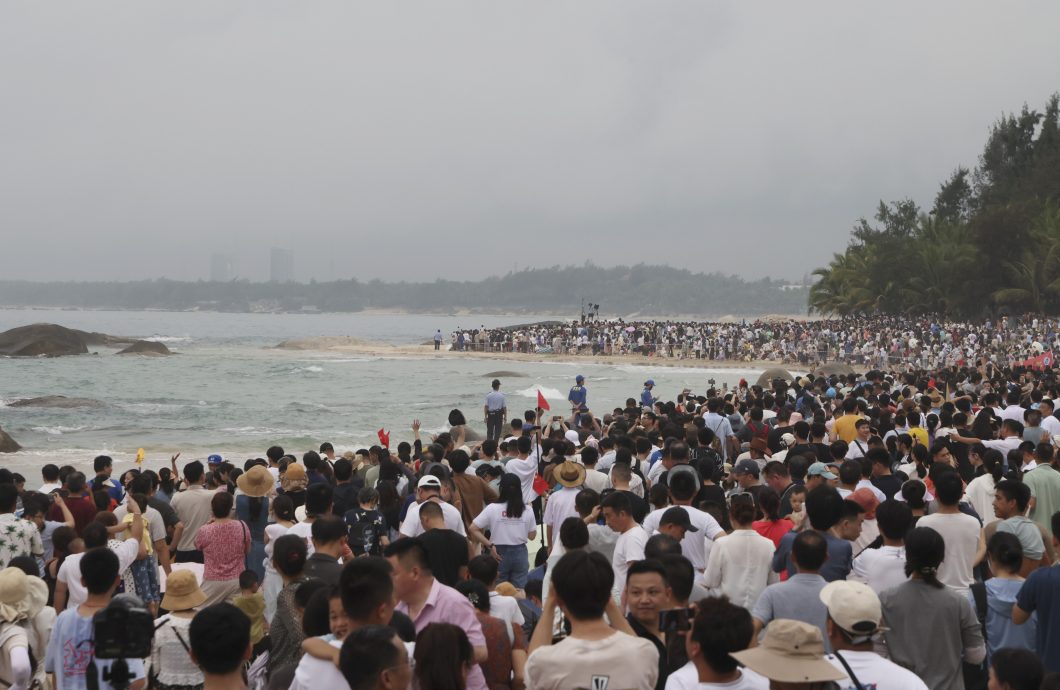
411,527
881,568
70,571
319,673
873,671
559,507
507,609
687,678
305,531
618,661
961,533
1051,425
692,546
504,530
628,548
740,567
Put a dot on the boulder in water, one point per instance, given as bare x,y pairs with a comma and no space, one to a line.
56,401
504,374
146,347
42,340
8,444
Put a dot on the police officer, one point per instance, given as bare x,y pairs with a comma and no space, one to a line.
578,394
495,411
647,400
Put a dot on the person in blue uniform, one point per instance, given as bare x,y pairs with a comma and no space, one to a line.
578,394
646,398
496,412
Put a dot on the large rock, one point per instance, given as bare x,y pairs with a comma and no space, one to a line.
57,402
42,339
146,347
8,444
504,374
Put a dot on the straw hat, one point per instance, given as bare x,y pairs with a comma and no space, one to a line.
256,482
182,591
790,652
570,474
21,596
294,478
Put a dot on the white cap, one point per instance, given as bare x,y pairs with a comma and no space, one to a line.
853,606
429,482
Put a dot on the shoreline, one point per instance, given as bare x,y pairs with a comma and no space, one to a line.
428,352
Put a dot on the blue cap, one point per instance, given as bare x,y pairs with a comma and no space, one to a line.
214,459
649,382
579,377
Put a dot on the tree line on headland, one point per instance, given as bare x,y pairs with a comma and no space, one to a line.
989,244
623,290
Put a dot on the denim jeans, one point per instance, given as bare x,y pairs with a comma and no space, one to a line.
515,563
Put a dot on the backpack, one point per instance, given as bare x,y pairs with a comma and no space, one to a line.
759,430
361,532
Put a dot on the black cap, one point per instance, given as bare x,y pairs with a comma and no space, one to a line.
678,516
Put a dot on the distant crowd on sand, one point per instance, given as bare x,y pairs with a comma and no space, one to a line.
892,529
884,342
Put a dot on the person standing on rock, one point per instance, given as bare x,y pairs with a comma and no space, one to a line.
578,395
438,339
495,411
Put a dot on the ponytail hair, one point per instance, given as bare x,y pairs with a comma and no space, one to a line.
1006,551
924,550
993,463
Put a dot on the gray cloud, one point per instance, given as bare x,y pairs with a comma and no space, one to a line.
459,139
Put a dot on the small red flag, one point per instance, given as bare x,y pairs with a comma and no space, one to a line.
542,404
384,438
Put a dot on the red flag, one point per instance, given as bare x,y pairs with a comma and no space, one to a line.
542,404
384,438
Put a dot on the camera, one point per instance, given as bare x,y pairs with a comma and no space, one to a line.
675,620
123,630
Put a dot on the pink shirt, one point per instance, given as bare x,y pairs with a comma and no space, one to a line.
446,605
223,546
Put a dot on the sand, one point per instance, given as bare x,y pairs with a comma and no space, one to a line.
355,346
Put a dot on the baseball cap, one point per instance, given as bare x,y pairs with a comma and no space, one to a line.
746,467
854,607
787,440
579,377
819,469
649,382
678,516
214,459
429,482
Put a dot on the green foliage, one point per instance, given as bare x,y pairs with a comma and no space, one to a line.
652,290
992,238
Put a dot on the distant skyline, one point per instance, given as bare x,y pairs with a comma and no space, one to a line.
466,139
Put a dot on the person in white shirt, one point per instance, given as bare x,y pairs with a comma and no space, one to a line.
854,617
884,568
1049,422
594,479
719,629
50,475
70,591
560,505
682,487
618,513
430,489
859,446
961,533
739,565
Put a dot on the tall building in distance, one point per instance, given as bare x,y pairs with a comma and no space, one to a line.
221,268
281,265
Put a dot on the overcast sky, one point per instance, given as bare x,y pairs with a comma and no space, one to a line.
403,140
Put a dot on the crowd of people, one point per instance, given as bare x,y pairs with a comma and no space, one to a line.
884,342
883,530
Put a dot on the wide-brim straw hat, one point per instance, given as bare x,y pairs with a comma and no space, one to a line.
21,596
790,652
182,591
256,482
570,474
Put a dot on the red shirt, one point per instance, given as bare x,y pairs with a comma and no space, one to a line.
82,508
773,530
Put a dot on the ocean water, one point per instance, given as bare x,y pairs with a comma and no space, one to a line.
228,392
